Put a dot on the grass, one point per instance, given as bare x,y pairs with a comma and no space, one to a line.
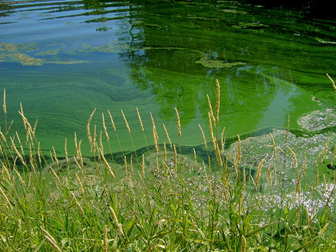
159,198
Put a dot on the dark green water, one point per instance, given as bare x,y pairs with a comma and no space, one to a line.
62,59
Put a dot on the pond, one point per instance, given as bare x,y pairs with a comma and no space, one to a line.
63,59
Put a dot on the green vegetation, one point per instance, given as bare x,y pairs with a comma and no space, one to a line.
159,199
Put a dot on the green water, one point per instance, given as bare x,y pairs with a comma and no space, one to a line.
64,59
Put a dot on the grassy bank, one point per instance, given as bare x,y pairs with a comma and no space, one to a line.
160,198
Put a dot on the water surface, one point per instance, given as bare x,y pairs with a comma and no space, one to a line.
63,59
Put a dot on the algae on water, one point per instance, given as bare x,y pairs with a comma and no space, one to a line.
318,120
211,63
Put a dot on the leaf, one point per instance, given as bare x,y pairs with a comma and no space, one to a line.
259,229
129,227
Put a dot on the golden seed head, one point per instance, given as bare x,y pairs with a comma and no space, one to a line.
142,127
203,136
127,126
178,123
112,122
217,100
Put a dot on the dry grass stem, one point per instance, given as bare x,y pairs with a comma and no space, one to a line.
164,151
105,129
218,154
80,184
243,246
210,110
298,182
77,163
294,156
66,150
77,203
167,135
114,216
88,133
287,130
3,137
127,126
55,156
274,146
4,102
141,124
107,165
39,153
332,81
19,176
269,175
31,158
244,179
54,173
4,168
20,144
178,123
213,139
155,135
175,156
34,128
324,228
76,144
18,153
24,119
238,154
325,150
203,136
143,165
217,100
112,121
105,239
94,140
259,173
6,198
51,240
101,146
195,159
222,141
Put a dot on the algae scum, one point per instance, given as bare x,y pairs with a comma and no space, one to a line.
64,59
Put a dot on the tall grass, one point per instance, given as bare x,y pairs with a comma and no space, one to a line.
158,200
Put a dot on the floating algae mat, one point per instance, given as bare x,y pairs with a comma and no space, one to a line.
63,59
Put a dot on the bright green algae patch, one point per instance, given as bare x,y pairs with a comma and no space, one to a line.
206,62
265,61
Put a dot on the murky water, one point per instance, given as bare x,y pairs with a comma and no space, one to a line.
62,59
